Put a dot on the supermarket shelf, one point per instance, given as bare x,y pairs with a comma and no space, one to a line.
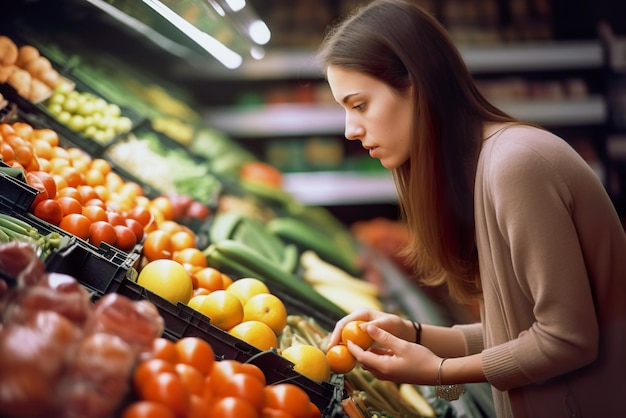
328,119
280,64
336,188
544,56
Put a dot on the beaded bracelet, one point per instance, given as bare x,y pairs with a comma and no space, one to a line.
447,392
418,332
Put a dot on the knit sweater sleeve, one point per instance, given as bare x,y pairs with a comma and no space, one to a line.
535,270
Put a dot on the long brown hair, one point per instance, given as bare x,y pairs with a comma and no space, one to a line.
401,44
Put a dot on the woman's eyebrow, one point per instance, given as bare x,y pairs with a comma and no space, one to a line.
347,97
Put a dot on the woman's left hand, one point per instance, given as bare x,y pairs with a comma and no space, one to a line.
395,359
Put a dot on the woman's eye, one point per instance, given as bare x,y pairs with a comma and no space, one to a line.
359,106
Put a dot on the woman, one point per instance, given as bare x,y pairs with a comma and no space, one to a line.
502,212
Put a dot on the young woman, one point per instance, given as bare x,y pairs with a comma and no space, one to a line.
501,211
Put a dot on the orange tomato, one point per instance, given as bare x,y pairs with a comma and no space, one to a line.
147,409
168,389
208,278
157,245
340,359
199,407
69,191
232,407
148,370
183,239
353,332
102,231
192,378
242,386
197,353
164,206
76,224
263,173
86,192
49,210
289,398
192,255
164,349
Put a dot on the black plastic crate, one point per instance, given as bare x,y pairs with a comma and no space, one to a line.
182,321
15,193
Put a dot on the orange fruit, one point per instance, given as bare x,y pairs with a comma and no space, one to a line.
196,301
168,279
353,332
255,333
340,359
267,308
247,287
223,309
183,239
309,361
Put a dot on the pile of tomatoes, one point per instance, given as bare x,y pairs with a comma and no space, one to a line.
182,379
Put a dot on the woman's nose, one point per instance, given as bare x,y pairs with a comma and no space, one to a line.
353,129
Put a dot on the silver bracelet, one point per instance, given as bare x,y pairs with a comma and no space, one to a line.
447,392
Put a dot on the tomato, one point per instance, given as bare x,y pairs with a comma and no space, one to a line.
289,398
263,173
199,407
274,413
315,411
102,231
76,224
50,211
148,370
197,353
23,129
191,255
136,227
36,183
23,154
232,407
183,239
115,218
168,389
96,202
243,386
94,213
69,205
157,245
48,182
140,214
7,152
126,238
69,191
74,177
192,378
147,409
86,192
164,349
197,210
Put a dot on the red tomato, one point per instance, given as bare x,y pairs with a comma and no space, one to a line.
48,181
136,227
50,211
69,205
199,407
36,183
140,214
102,231
126,238
192,378
148,370
115,218
76,224
164,349
147,409
95,213
157,245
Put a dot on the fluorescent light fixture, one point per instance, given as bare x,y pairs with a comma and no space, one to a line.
217,7
236,5
223,54
257,52
259,32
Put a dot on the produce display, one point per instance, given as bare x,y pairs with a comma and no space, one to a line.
211,291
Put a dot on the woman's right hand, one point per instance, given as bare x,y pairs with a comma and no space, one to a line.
393,324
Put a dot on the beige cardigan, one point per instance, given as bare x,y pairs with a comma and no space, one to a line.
552,256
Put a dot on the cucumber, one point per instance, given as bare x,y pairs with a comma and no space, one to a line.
263,269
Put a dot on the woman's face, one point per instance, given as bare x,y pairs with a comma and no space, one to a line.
376,114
